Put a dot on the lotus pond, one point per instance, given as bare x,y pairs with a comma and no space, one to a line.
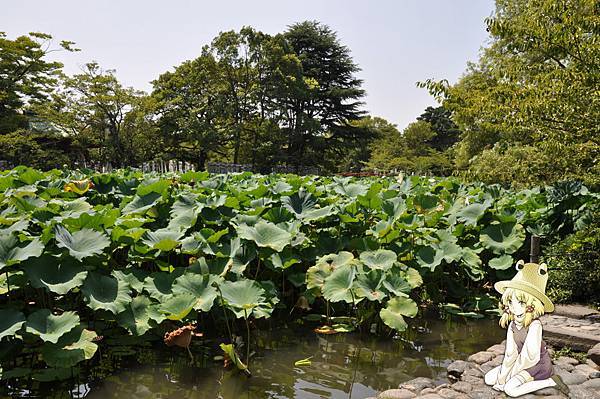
341,366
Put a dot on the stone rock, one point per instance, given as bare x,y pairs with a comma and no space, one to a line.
571,378
442,386
485,368
457,368
566,359
563,365
593,365
497,349
474,371
485,393
594,354
592,384
585,370
431,396
472,380
462,386
595,374
396,394
450,394
427,391
579,392
481,357
497,361
417,384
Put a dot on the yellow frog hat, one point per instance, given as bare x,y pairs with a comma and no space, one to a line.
532,279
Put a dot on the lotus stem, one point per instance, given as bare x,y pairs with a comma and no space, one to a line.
8,287
248,342
225,313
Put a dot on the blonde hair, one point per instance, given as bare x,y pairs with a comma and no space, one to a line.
530,300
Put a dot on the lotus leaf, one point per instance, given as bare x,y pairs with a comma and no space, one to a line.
81,244
470,214
105,292
141,204
11,251
79,187
199,286
395,284
137,315
451,252
382,259
176,307
336,287
265,234
71,348
413,277
392,314
368,285
163,240
233,356
11,321
133,278
501,263
50,327
503,238
184,212
57,275
242,295
429,257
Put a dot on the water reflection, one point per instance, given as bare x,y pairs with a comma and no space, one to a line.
343,366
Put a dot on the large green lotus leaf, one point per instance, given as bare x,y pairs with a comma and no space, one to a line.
319,213
153,185
176,307
105,292
16,227
199,286
336,287
368,285
425,201
470,214
57,275
473,262
503,238
163,240
299,203
11,281
11,251
203,241
392,314
413,277
316,275
501,263
429,257
265,234
140,204
284,260
159,285
451,252
382,259
72,348
133,278
184,212
11,321
351,190
394,207
395,284
242,295
30,175
82,243
50,327
137,315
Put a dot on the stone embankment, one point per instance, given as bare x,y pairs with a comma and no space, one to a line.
574,327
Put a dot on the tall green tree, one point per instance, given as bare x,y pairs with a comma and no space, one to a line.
26,75
325,98
534,87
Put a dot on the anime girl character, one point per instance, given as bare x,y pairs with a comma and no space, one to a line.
526,366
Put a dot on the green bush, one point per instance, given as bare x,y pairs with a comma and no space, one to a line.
574,266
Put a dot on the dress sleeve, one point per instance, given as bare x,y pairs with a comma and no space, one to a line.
530,353
510,357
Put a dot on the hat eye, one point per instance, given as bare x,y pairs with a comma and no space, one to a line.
520,264
543,271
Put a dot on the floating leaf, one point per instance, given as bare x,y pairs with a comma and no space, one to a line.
57,275
50,327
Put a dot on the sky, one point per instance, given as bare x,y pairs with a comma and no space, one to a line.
395,42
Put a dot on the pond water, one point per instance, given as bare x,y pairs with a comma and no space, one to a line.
343,365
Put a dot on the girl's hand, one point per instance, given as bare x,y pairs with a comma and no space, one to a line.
499,387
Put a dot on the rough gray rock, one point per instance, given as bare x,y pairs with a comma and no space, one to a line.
396,394
450,393
481,357
462,386
457,368
431,396
498,349
592,384
417,384
568,360
579,392
547,391
585,370
594,354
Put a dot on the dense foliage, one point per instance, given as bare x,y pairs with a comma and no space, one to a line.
529,109
127,253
